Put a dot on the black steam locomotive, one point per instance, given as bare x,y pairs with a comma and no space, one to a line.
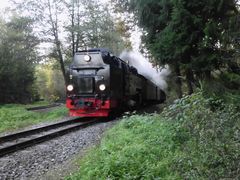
100,83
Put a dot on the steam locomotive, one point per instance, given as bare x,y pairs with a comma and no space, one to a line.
100,84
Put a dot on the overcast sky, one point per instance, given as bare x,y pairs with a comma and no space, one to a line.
135,35
3,3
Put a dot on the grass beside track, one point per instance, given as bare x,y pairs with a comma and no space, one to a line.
194,138
139,147
14,116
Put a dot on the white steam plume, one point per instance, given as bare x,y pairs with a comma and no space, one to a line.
145,68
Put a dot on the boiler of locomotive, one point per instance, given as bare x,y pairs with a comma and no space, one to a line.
89,75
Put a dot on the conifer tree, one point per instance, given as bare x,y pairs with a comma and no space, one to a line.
196,36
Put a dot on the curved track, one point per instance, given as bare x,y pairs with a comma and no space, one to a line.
43,107
14,142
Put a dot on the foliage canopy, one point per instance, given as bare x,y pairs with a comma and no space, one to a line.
17,58
195,37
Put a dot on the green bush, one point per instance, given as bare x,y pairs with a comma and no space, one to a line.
207,131
231,80
225,86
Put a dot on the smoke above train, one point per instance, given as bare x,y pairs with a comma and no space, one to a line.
156,75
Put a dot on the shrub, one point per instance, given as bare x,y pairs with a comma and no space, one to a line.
207,130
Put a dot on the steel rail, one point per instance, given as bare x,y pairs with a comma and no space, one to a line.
30,142
42,107
37,130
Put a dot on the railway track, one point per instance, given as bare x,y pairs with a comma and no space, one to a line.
17,141
43,107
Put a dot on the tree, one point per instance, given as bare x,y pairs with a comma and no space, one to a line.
17,58
195,37
48,24
50,78
70,25
92,25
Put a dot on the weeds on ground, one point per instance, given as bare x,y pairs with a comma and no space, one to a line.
14,116
137,148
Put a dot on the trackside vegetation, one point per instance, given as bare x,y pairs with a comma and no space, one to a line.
194,138
14,116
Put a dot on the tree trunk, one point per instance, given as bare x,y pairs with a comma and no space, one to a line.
78,27
72,30
190,79
54,24
60,56
178,80
207,75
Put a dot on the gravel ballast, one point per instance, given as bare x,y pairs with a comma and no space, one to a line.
35,162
